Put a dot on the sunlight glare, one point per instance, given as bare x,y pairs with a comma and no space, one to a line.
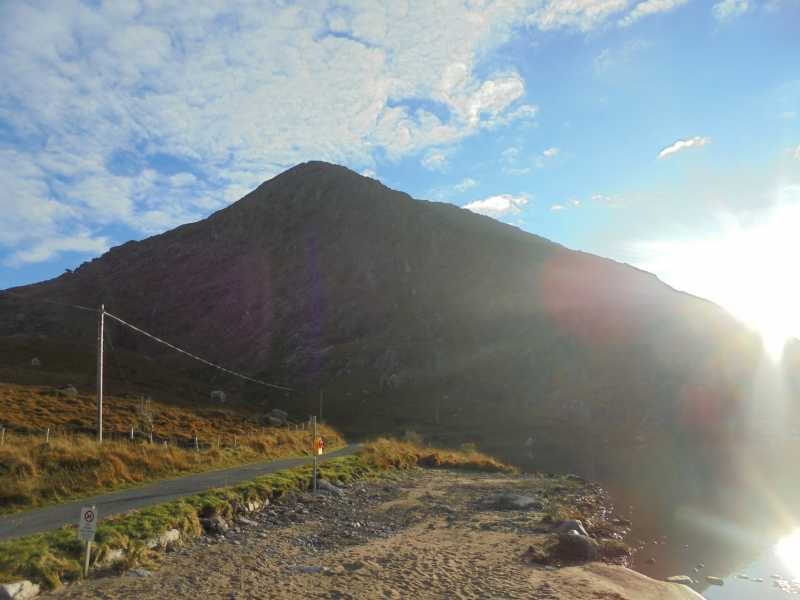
751,271
788,551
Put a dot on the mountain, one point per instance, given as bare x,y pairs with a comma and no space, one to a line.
410,314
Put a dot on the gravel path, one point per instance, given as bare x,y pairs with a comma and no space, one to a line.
425,534
53,517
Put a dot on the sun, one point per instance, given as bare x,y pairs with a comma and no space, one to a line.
751,270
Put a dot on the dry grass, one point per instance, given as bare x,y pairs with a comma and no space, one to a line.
35,473
385,453
32,409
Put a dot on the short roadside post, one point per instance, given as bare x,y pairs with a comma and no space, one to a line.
87,527
314,477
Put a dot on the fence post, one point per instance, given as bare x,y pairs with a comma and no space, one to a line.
47,436
2,436
131,432
196,444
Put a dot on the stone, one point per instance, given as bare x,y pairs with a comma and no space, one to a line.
68,390
139,573
326,486
215,524
168,538
274,421
111,556
19,590
246,521
571,525
714,580
576,547
515,502
218,396
35,362
684,579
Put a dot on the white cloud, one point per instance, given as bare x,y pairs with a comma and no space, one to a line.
728,9
44,250
649,7
465,184
101,89
496,206
369,173
580,14
797,153
434,160
550,152
557,207
695,142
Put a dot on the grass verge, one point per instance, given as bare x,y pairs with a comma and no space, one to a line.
34,473
54,557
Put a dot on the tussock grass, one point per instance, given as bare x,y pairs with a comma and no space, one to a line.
54,557
34,473
32,409
386,453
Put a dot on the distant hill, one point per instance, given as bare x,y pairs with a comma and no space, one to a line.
410,314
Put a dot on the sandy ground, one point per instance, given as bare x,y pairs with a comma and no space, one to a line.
425,535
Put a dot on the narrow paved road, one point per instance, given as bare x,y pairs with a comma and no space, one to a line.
53,517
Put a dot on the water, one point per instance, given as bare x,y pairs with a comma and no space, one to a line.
722,507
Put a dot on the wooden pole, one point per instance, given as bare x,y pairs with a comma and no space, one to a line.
86,560
2,436
47,437
321,398
100,328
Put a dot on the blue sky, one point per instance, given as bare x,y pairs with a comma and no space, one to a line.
634,129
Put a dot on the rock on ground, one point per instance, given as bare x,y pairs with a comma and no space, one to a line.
19,590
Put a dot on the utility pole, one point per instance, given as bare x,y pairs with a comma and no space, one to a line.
100,328
321,397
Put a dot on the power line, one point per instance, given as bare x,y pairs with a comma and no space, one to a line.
158,339
195,357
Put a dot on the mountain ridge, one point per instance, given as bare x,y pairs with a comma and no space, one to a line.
410,312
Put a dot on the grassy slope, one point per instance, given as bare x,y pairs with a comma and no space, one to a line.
53,557
35,473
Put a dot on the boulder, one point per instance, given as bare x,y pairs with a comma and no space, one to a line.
218,396
68,390
324,485
573,546
571,525
19,590
165,540
35,362
215,525
274,421
515,502
279,414
683,579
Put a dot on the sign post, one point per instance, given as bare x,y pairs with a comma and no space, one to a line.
316,442
87,527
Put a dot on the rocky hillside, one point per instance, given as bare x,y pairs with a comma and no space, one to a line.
410,314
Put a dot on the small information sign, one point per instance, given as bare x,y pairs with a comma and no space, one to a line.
87,525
